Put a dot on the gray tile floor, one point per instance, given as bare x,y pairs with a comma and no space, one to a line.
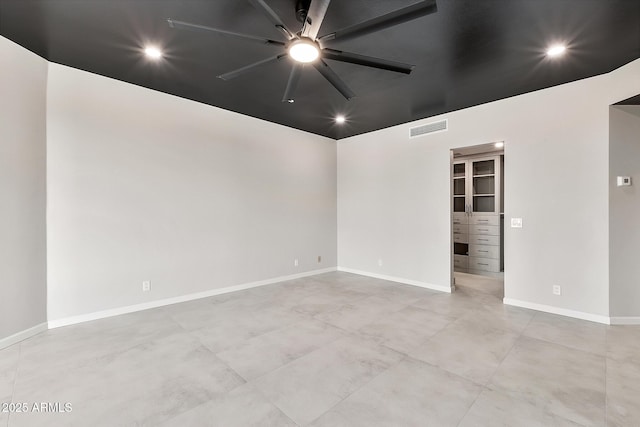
331,350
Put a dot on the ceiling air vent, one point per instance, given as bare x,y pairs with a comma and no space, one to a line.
429,128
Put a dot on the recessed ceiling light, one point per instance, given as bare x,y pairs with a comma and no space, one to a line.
556,50
499,144
340,119
153,52
304,50
291,101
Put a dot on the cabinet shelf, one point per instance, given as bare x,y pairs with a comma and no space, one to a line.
482,195
484,175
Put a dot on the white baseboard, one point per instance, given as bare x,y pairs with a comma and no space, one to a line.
561,311
22,335
625,320
397,279
66,321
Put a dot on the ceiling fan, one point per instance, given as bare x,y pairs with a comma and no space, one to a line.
305,47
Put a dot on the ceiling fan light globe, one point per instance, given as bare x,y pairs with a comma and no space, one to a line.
304,51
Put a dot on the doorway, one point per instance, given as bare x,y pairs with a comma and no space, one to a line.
477,218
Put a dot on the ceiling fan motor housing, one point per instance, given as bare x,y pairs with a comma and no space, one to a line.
302,9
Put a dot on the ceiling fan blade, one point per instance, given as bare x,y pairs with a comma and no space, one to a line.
315,17
399,16
273,17
235,73
294,77
333,78
367,61
201,28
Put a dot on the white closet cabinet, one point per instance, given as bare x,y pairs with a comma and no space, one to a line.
476,215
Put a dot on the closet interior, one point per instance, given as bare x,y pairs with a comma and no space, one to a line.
478,210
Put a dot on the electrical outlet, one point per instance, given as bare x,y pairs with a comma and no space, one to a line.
295,262
146,286
380,262
319,258
557,290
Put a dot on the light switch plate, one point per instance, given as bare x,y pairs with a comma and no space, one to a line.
623,181
516,222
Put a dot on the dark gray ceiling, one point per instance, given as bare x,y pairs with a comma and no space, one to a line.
468,53
634,100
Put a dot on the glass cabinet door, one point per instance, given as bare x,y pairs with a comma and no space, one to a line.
459,187
484,167
484,185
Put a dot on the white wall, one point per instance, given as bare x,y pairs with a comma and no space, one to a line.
388,193
147,186
394,193
624,211
23,79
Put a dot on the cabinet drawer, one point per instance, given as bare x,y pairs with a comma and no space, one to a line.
460,261
484,251
460,228
460,218
484,264
481,239
485,219
490,230
460,238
